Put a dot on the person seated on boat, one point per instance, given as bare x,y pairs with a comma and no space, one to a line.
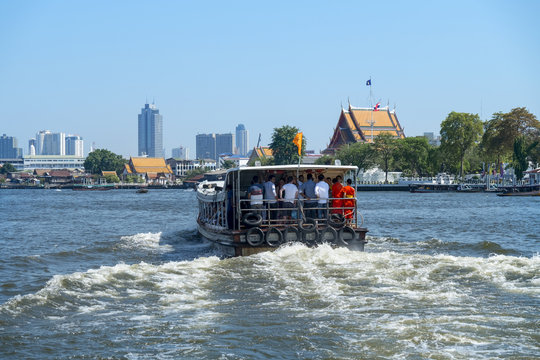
337,203
270,196
321,191
255,196
289,194
310,198
348,194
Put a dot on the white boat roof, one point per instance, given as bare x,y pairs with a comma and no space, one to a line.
301,167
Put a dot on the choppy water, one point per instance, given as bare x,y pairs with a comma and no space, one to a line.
123,275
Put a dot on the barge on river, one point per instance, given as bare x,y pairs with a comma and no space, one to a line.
227,217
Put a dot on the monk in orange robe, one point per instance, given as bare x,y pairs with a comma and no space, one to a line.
336,193
348,192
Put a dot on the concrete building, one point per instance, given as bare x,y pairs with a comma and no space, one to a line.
224,144
8,148
432,139
74,145
32,162
242,140
205,146
182,167
49,143
181,153
150,132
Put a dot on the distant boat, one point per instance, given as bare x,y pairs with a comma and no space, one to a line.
99,187
142,191
520,190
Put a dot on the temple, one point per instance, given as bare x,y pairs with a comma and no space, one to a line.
363,125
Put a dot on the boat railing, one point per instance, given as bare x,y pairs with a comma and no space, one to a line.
275,213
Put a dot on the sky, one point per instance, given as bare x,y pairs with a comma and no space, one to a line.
88,67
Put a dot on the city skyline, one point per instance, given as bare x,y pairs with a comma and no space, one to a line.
261,65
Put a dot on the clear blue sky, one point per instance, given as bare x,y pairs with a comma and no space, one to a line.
87,67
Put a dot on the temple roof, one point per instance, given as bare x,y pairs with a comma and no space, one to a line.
141,165
363,124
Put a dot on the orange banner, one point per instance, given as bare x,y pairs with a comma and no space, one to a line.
298,142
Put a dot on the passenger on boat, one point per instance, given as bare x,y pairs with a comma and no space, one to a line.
348,193
230,207
322,190
337,203
255,196
308,192
289,194
270,195
279,193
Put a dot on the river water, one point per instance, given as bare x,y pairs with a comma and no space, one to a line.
115,274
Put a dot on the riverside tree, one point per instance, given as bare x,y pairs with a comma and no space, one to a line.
412,155
283,149
384,147
357,154
7,168
459,133
522,149
104,160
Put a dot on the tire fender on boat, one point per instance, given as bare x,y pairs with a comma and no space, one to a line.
329,235
308,223
252,219
255,236
337,221
274,242
292,229
312,240
343,238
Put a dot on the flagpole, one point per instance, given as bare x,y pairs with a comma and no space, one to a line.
371,106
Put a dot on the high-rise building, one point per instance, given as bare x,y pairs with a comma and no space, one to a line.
8,148
32,146
181,153
224,144
150,132
49,143
74,145
205,146
242,140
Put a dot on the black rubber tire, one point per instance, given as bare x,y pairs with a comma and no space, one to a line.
333,233
315,236
274,243
252,220
308,224
255,231
342,240
337,221
290,229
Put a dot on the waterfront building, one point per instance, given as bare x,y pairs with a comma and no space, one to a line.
205,146
236,159
182,167
31,162
224,144
150,132
153,170
242,140
181,153
8,148
49,143
74,145
363,125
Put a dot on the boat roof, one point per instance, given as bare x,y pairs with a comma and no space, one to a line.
301,167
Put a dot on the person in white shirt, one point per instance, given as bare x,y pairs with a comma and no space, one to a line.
270,196
321,190
289,194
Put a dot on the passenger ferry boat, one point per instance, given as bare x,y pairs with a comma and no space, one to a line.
227,218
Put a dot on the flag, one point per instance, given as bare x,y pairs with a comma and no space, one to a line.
376,107
368,83
298,142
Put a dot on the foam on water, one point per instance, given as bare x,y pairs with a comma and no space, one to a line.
145,241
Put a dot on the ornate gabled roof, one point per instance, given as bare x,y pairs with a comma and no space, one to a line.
142,165
359,124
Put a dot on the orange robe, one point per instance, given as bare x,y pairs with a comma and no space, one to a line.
336,193
348,193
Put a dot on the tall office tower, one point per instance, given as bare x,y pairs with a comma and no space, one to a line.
180,153
8,148
205,146
49,143
224,144
74,145
32,146
242,140
150,132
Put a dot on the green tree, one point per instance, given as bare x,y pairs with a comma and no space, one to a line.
412,155
522,149
228,164
104,160
357,154
459,132
111,179
384,147
7,168
324,160
283,149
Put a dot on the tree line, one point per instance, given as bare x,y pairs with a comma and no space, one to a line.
467,144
